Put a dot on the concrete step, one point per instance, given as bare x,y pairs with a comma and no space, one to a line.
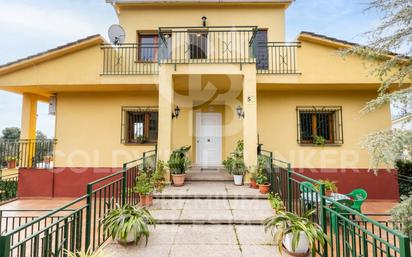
210,190
211,211
199,174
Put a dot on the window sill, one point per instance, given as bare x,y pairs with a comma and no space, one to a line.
315,145
140,144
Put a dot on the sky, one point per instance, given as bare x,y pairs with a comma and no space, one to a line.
31,26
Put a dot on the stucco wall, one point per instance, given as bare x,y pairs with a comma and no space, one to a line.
88,128
277,127
151,18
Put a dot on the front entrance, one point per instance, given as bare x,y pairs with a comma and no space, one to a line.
208,139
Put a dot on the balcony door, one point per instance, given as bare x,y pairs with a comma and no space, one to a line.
261,53
198,44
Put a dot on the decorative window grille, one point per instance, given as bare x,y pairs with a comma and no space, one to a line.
319,121
139,125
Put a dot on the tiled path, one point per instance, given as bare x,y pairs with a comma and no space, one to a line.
207,219
199,241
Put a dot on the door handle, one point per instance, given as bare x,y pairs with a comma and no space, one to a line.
208,140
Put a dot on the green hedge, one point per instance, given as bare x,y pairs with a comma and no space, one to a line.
404,168
8,189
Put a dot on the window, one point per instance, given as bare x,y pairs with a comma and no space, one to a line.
147,51
198,45
261,40
320,124
139,125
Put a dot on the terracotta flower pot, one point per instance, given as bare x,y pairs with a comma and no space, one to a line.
178,180
145,200
253,184
11,164
264,188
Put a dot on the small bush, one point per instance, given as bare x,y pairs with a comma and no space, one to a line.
404,168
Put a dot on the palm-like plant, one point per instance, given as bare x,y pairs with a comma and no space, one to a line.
283,223
122,221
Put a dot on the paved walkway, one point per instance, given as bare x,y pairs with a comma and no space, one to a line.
205,219
200,241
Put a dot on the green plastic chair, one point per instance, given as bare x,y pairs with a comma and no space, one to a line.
358,195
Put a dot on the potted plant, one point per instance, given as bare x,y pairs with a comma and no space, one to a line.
141,139
128,224
276,203
228,164
144,187
253,170
294,234
318,140
330,186
263,183
47,159
158,176
238,171
178,164
11,162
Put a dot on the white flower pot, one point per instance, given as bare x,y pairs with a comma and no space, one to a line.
238,179
130,237
301,248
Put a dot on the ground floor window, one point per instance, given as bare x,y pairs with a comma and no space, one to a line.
319,125
139,125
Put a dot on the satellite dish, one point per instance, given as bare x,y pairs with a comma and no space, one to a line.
116,34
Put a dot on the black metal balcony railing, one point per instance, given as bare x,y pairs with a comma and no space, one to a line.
187,45
276,57
27,153
182,45
130,59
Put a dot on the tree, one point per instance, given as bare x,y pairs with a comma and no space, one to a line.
12,133
40,135
388,53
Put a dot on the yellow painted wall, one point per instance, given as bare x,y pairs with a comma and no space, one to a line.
88,128
151,18
277,127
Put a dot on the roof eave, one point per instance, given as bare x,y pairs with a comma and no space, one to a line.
51,54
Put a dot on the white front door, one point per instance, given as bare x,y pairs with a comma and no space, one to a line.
208,139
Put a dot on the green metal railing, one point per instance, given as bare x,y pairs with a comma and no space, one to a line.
76,225
350,233
8,187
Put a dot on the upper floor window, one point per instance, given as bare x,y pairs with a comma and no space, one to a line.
147,49
139,125
320,125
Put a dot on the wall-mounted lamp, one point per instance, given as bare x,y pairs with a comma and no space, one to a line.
176,112
204,18
240,112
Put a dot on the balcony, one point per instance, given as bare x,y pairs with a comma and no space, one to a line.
27,153
201,45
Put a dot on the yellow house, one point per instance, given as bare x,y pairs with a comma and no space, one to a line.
203,73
